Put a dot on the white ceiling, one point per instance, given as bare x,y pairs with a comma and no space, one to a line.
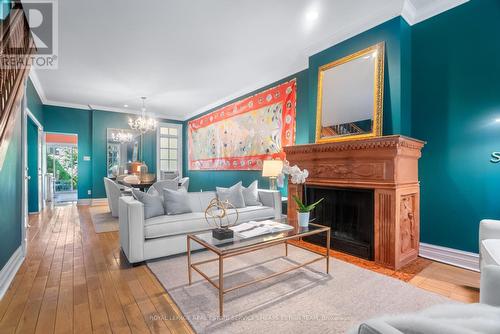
187,56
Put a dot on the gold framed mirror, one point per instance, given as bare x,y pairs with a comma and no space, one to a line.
350,96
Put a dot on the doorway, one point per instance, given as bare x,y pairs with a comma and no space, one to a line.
34,134
62,167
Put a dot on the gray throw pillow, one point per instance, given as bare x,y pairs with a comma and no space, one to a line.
176,201
233,195
251,194
153,205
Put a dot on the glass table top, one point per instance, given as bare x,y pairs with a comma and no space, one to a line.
237,242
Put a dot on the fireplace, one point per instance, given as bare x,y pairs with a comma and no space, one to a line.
349,213
382,168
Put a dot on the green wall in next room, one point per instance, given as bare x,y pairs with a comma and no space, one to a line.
90,126
74,121
208,180
456,99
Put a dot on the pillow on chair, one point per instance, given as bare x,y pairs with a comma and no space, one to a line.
176,201
153,205
233,195
251,194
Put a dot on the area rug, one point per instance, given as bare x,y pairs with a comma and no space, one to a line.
302,301
102,219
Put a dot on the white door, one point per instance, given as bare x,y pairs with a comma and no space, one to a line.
24,134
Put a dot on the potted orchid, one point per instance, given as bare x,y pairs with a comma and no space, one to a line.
298,176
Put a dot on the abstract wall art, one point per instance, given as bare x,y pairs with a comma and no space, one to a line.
241,135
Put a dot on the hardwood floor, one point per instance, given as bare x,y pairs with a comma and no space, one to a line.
76,281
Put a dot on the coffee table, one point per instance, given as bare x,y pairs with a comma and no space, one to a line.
224,249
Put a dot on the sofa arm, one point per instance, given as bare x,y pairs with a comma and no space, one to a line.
271,198
131,220
489,291
489,229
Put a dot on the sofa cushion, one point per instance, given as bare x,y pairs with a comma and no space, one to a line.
251,194
163,226
255,212
176,201
233,195
490,251
198,201
153,205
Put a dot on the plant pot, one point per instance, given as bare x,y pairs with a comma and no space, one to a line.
303,218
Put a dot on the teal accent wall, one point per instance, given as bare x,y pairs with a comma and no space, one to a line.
4,8
32,142
35,105
397,106
208,180
11,176
455,101
90,126
74,121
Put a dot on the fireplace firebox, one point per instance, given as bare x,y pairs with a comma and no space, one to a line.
349,214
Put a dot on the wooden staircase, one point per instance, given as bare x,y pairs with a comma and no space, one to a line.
16,49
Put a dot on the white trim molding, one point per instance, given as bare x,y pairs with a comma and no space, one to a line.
414,13
451,256
10,269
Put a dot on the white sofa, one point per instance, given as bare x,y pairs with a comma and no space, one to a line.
143,239
489,252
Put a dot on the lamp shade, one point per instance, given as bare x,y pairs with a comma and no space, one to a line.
272,168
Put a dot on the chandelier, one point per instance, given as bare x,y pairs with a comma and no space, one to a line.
143,124
122,137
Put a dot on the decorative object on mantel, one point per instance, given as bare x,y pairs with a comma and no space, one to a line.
216,215
350,96
241,135
304,211
389,166
272,169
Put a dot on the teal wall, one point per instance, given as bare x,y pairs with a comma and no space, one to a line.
90,126
396,35
11,177
4,8
208,180
32,154
34,103
456,99
74,121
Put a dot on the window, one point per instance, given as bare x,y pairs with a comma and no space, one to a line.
169,148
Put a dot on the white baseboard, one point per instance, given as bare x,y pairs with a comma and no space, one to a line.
451,256
92,201
10,269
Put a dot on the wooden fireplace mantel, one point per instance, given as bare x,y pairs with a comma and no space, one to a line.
389,166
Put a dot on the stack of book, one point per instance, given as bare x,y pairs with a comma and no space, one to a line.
253,228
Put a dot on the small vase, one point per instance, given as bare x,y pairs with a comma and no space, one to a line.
303,218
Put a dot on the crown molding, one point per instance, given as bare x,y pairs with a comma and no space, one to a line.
38,86
413,14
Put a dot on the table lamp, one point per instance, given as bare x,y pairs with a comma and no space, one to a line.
271,169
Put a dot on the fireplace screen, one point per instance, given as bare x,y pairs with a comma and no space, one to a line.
349,213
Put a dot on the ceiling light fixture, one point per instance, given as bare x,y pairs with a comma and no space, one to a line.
142,123
312,15
125,105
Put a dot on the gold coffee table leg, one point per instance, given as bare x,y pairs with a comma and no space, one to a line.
286,248
328,251
221,285
189,258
